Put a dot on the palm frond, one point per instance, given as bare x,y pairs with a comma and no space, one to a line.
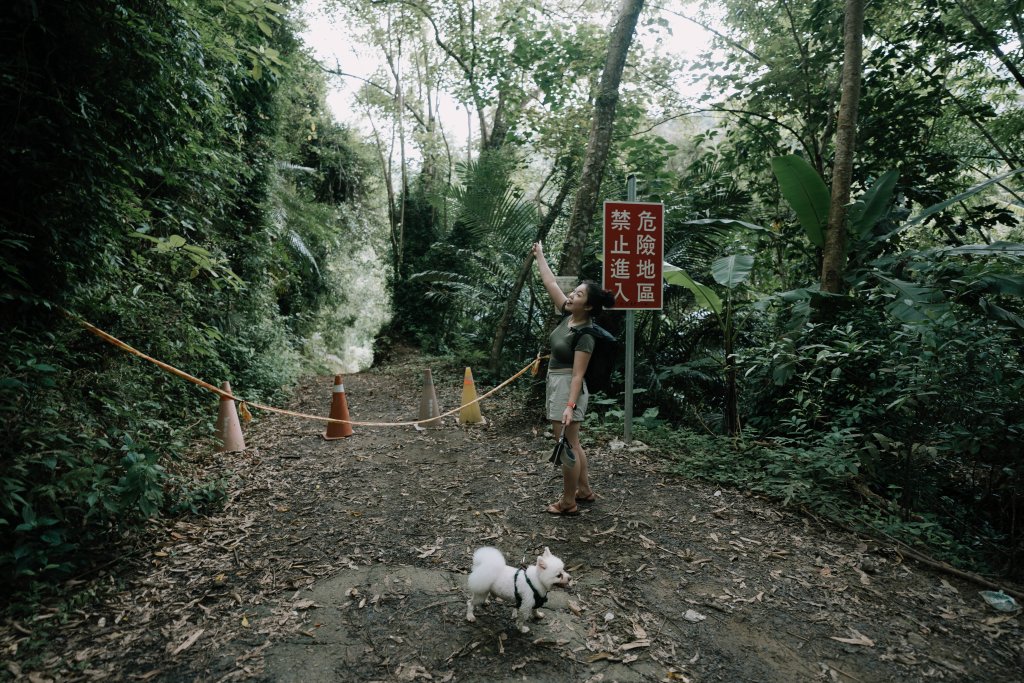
490,208
299,247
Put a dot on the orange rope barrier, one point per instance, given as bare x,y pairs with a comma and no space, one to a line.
111,339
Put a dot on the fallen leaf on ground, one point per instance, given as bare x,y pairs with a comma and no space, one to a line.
992,621
188,642
410,672
864,579
601,655
857,638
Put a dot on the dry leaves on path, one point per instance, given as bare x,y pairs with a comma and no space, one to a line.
350,556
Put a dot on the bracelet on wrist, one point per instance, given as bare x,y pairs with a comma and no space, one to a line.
570,404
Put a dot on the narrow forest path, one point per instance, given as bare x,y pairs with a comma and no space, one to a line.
346,561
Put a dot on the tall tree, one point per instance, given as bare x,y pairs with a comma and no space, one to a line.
600,137
834,253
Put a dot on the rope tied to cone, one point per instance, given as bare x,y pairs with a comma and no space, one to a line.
533,367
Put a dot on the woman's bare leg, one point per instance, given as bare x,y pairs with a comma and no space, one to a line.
572,477
576,482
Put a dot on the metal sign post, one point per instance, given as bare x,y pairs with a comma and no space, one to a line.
627,424
634,246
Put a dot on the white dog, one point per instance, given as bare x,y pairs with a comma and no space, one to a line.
527,589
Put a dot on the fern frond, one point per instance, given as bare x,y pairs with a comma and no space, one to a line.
299,247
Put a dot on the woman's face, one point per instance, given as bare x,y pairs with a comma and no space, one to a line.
577,300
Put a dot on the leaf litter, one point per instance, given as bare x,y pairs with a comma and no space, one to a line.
350,556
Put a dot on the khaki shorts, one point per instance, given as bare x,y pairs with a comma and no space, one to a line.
558,396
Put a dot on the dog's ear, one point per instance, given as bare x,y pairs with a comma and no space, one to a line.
547,553
541,564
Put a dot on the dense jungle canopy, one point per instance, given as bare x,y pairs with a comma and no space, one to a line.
844,317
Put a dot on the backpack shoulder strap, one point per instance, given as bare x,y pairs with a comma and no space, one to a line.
577,334
594,330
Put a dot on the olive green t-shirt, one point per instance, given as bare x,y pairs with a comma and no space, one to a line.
561,345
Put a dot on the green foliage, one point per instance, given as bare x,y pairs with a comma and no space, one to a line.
87,476
933,402
148,197
732,271
867,211
608,422
704,296
941,206
454,300
933,106
806,193
816,472
889,368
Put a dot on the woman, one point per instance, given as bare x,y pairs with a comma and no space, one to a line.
567,393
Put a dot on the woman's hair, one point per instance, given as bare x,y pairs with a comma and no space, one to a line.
598,299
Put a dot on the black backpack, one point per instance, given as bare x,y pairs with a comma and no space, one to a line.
602,360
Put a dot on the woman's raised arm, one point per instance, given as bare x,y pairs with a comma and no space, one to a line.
547,277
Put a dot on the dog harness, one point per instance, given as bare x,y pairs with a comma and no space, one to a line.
538,599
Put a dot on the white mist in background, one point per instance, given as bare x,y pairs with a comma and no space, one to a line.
349,348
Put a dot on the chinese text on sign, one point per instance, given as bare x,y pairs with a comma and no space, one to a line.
633,253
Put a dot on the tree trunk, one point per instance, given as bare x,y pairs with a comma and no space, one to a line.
397,213
400,115
732,409
389,185
499,127
834,254
427,86
600,137
524,272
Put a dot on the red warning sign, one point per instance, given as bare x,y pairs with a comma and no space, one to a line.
634,249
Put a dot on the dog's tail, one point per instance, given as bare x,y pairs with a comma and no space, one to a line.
487,565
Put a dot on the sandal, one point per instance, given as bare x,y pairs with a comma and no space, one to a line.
557,509
587,499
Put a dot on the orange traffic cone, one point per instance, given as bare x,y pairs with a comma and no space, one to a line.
339,411
430,411
229,431
470,414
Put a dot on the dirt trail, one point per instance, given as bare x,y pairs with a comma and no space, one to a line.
346,561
